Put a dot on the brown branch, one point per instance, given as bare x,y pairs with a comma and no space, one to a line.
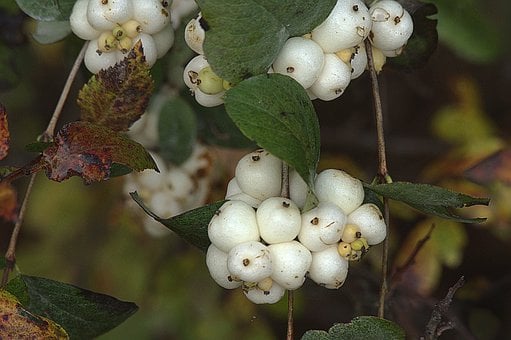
383,175
10,255
435,327
290,298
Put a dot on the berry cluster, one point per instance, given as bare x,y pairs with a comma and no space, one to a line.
324,61
114,26
263,242
175,188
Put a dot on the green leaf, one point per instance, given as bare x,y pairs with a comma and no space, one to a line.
469,30
48,32
275,111
424,39
47,10
118,96
177,130
429,199
360,328
191,225
82,313
243,37
89,151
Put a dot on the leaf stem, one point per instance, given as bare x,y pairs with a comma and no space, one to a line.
383,175
50,129
10,255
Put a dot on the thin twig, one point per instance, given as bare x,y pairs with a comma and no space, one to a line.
435,327
290,298
10,255
383,175
50,130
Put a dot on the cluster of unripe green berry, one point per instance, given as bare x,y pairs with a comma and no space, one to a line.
266,244
114,26
324,61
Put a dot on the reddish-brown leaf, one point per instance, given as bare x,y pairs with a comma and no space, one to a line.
8,202
4,133
496,167
118,96
89,151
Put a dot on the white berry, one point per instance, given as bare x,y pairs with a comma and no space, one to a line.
290,261
301,59
209,100
79,23
338,187
259,296
249,261
105,14
328,268
347,25
163,40
96,60
392,25
259,174
192,69
234,223
371,223
322,226
333,79
278,219
216,260
152,15
298,189
195,34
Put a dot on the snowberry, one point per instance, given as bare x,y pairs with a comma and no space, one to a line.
79,23
181,9
179,182
259,296
328,268
216,260
333,79
344,249
192,69
249,261
259,174
234,193
96,60
209,100
322,226
379,59
301,59
298,189
278,219
208,82
392,25
234,223
153,15
163,40
371,223
351,232
358,61
195,34
337,186
347,25
105,14
290,261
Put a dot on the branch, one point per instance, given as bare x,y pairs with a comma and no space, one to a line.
290,298
435,327
383,175
10,255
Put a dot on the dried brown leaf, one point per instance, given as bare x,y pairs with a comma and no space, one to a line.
89,151
118,96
